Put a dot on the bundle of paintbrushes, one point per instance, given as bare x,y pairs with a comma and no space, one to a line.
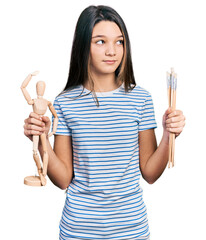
171,89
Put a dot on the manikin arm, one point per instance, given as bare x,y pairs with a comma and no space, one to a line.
24,85
55,123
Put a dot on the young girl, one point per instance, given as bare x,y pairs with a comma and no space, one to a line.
105,138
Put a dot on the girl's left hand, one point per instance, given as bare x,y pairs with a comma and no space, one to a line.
173,121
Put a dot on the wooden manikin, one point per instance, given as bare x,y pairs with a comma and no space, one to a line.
39,106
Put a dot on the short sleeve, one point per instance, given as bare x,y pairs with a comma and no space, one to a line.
63,126
147,116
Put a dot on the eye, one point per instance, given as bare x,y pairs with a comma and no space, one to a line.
100,42
120,42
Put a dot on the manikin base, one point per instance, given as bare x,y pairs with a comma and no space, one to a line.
33,181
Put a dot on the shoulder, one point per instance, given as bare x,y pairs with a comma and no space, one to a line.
140,94
69,95
142,91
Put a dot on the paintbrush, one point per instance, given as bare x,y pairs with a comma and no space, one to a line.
171,90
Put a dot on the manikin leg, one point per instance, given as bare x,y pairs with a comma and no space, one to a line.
45,156
37,160
35,153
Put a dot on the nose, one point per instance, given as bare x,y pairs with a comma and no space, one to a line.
110,51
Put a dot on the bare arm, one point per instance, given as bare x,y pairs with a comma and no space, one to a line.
153,159
60,166
24,85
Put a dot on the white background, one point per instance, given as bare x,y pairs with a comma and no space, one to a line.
37,35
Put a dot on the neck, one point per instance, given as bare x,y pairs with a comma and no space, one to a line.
103,83
39,96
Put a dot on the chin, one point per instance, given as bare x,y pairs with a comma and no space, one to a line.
105,70
109,70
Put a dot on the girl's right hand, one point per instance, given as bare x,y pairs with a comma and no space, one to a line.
36,125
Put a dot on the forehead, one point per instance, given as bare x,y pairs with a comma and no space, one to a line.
106,28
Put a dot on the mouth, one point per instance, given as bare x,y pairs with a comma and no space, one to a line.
109,61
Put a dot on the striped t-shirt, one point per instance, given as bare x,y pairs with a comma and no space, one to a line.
104,199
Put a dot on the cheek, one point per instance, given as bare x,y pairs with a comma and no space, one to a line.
120,53
96,52
94,59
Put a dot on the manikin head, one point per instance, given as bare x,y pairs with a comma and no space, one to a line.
40,88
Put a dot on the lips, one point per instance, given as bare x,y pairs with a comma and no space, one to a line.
109,61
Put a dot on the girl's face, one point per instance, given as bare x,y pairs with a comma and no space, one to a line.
106,50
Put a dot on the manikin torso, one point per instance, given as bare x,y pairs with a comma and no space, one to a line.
40,105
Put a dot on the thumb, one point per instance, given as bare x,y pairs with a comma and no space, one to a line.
45,119
169,110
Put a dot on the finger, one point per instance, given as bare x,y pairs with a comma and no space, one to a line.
175,119
175,113
167,112
35,115
35,121
32,132
177,130
45,119
26,120
175,124
33,127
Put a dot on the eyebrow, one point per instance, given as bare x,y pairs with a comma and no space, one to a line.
99,36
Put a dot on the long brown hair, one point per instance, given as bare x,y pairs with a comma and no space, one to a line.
79,62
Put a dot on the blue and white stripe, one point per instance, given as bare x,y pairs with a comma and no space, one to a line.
104,199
